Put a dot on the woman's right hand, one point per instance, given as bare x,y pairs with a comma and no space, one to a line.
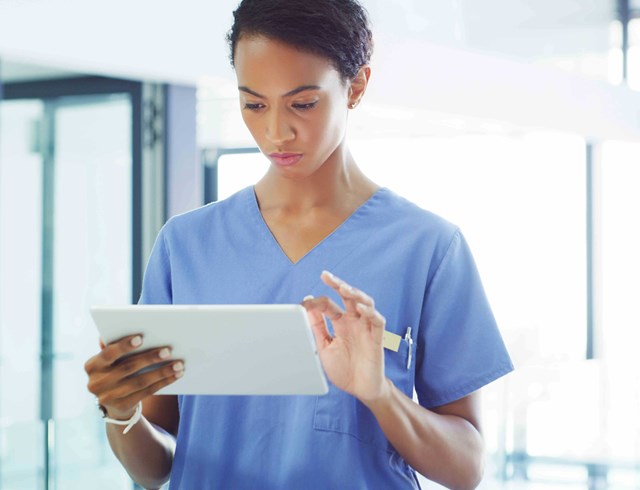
115,379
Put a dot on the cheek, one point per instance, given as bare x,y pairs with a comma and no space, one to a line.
327,126
331,127
252,124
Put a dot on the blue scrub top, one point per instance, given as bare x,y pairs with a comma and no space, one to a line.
420,272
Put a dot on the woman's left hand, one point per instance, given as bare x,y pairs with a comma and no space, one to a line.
353,358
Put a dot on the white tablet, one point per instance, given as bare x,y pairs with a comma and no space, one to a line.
227,349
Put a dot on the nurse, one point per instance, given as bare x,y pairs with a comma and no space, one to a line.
301,67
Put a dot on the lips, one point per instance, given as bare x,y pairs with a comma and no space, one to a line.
285,159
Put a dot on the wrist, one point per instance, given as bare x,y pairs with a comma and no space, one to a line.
382,397
126,419
111,413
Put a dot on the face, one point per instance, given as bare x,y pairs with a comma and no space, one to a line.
294,104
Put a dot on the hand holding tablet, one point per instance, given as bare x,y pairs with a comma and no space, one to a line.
227,349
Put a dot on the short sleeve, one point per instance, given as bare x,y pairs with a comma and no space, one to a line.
156,285
460,348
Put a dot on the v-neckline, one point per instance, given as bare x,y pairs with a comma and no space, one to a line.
271,239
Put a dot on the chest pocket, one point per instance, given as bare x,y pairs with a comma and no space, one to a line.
337,411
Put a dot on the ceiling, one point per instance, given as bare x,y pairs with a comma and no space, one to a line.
451,57
156,40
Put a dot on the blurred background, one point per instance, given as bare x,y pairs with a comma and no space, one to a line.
519,120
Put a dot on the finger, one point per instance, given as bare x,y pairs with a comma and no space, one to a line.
115,350
92,364
374,319
102,344
136,362
140,384
143,381
112,352
325,306
117,373
338,284
130,401
318,325
350,295
330,280
355,295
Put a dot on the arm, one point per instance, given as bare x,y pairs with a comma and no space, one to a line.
445,443
146,451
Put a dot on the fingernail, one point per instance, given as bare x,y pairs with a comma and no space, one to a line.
179,374
136,341
309,296
328,274
178,367
164,353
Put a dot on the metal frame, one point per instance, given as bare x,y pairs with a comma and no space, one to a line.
591,313
625,15
47,335
595,334
153,190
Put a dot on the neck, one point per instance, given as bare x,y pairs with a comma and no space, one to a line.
337,183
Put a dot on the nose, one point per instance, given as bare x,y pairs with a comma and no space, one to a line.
278,130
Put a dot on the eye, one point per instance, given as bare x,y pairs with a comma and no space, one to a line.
305,107
253,107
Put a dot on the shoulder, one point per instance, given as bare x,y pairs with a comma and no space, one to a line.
414,222
212,214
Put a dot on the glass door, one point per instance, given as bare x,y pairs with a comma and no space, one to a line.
92,264
66,243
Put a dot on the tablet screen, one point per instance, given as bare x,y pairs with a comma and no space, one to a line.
227,349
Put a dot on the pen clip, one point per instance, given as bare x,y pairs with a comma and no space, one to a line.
407,337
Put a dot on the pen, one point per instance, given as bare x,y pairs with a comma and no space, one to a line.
407,337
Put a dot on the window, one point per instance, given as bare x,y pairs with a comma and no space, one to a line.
236,171
520,201
620,249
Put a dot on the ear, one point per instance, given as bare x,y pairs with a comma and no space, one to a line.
359,86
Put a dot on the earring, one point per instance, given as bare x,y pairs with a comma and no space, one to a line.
352,105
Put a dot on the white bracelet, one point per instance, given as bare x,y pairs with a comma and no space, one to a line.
137,415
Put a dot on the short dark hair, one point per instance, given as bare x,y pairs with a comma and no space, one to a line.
335,29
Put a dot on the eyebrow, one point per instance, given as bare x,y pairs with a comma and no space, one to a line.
288,94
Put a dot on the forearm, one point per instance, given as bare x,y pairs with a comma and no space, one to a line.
445,448
146,452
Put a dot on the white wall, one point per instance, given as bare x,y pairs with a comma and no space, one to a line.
178,41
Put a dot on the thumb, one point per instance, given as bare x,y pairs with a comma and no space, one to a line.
318,323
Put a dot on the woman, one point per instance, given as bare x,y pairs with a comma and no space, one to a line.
301,66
